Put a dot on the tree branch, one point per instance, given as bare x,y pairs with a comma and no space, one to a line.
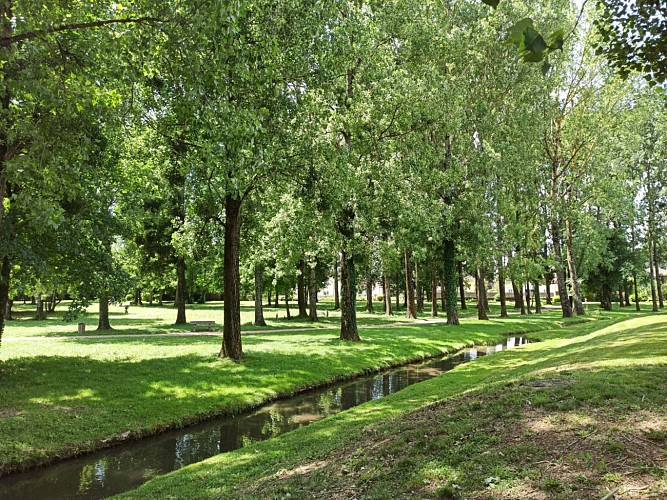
7,41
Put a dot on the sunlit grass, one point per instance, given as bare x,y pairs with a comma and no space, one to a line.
398,446
63,396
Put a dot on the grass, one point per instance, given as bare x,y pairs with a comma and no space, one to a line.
579,415
62,397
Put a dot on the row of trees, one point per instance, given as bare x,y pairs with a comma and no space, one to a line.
196,147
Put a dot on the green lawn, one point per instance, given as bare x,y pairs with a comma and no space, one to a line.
60,397
595,424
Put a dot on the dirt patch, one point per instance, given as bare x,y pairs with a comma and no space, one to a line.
11,412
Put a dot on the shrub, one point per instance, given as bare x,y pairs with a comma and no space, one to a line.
379,298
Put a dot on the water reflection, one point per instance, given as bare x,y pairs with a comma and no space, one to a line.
125,467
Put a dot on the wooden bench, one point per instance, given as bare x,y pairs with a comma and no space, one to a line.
198,323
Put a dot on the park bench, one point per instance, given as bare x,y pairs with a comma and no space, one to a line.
205,323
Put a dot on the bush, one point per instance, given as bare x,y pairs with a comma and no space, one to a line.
496,297
555,300
379,298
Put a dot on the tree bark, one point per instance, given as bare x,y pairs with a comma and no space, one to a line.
5,275
398,292
651,265
449,260
268,297
658,278
634,284
443,300
103,319
626,293
348,318
336,287
462,287
434,293
560,269
517,295
160,302
312,290
231,337
547,280
259,306
576,289
387,295
605,301
528,298
301,290
501,287
481,292
287,311
8,310
369,291
181,293
419,290
538,300
40,307
409,287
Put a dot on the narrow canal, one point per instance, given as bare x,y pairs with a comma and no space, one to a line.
127,466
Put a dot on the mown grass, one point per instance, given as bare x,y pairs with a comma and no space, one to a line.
477,431
61,397
154,319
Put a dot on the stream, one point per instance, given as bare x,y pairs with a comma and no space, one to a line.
125,467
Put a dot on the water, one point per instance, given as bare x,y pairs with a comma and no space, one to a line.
127,466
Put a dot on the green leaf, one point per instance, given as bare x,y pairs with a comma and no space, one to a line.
545,67
492,3
556,40
534,47
516,34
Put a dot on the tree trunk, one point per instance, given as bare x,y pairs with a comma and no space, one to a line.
434,293
231,337
547,280
369,291
387,295
528,298
259,307
268,296
621,297
481,292
419,290
336,287
301,290
443,300
181,298
449,260
398,292
634,284
5,274
658,278
560,269
576,289
103,319
348,318
538,300
40,307
605,301
501,289
8,310
626,293
652,272
312,290
287,311
161,297
518,298
276,302
462,287
409,287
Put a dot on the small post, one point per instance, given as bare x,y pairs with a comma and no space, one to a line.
82,328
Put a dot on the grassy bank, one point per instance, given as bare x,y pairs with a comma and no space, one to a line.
62,397
579,415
